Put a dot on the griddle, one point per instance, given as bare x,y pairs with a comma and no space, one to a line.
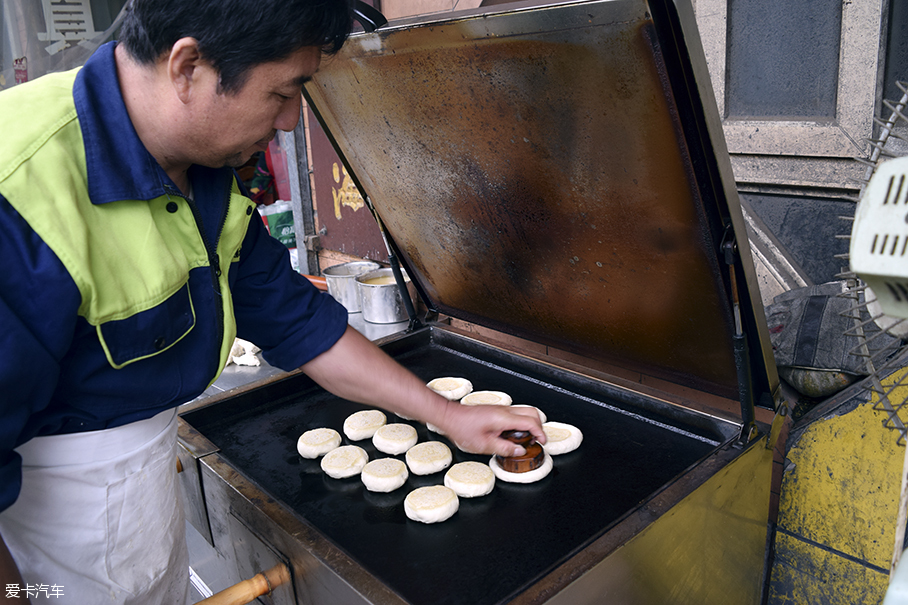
494,546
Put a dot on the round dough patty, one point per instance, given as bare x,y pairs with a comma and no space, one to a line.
470,479
384,475
450,387
315,442
486,398
561,438
429,457
431,504
528,477
394,438
362,425
434,428
344,461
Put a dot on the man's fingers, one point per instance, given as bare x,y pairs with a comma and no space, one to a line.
479,428
533,427
511,449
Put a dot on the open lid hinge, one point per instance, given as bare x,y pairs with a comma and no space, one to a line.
739,341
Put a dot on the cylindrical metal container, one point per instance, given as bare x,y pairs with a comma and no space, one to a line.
341,282
380,297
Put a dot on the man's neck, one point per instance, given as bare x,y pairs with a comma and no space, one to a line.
148,109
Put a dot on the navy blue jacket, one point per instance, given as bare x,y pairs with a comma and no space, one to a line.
55,376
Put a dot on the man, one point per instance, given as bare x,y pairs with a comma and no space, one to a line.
132,262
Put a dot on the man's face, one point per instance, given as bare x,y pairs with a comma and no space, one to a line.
232,126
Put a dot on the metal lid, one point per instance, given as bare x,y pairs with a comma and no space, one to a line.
552,172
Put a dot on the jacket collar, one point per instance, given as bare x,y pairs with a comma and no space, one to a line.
118,164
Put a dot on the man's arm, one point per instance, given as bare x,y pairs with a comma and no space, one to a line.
356,369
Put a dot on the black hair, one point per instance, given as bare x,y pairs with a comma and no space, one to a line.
235,35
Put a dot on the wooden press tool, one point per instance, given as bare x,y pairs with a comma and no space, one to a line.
531,460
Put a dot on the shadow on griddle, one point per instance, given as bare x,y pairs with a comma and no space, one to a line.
349,485
385,507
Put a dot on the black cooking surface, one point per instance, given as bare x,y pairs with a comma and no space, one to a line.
494,546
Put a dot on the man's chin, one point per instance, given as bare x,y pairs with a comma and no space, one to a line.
238,160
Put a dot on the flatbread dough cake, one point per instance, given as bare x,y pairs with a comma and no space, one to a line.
363,424
316,442
434,428
431,504
486,398
451,387
528,477
470,479
561,438
384,475
429,457
394,438
344,461
542,416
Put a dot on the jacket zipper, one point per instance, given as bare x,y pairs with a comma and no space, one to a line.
214,263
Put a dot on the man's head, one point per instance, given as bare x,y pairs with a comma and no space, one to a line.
234,35
211,81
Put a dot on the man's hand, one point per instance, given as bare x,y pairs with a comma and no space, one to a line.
356,369
477,428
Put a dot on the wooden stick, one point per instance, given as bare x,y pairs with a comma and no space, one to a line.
251,589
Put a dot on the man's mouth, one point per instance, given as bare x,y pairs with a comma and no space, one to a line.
262,144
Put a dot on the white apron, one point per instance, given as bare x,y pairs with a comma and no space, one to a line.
99,516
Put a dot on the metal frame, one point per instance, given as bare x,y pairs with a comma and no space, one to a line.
798,152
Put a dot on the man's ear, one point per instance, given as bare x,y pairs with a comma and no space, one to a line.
183,63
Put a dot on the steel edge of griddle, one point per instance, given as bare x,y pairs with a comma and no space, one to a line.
322,572
263,515
316,545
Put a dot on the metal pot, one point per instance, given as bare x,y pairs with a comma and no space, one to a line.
381,298
341,283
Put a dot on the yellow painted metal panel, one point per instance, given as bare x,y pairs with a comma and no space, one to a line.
807,574
843,488
838,508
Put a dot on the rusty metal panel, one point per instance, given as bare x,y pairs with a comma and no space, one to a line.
348,225
533,169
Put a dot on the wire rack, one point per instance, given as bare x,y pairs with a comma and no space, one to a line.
882,355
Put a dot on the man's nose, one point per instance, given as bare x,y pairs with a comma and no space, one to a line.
289,116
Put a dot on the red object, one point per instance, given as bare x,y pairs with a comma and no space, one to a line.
277,165
355,231
319,282
20,66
